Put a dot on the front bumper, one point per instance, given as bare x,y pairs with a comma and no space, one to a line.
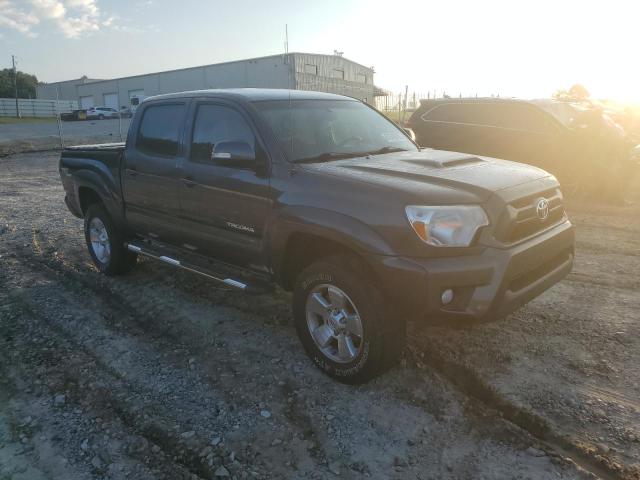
486,286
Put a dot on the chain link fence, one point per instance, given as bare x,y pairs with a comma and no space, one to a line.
26,107
47,133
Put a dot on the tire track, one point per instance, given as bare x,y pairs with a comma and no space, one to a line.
119,310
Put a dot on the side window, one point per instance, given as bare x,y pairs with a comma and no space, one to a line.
215,123
445,113
520,117
537,121
494,115
159,132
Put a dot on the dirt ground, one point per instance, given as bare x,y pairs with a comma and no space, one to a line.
161,375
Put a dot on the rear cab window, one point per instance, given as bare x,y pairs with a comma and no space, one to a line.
160,129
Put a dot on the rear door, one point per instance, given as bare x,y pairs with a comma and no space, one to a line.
151,174
452,126
225,207
519,132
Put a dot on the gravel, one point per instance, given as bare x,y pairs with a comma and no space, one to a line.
165,376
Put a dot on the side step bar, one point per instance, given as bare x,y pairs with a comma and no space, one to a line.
153,253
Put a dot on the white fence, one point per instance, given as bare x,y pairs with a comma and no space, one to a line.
35,108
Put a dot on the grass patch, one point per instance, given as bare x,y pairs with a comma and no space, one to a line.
8,120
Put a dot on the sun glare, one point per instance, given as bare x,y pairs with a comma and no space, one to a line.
498,48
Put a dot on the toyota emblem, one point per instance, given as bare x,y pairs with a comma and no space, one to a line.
542,209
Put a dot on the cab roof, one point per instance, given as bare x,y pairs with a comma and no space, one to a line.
253,94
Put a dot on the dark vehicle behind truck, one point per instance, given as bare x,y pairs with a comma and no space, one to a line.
325,197
73,116
588,152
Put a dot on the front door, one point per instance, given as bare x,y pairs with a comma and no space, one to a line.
151,174
225,208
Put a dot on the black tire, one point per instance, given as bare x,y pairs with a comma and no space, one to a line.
120,260
383,336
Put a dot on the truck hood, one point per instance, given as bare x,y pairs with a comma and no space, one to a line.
435,171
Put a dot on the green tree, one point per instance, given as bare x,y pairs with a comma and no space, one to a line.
26,84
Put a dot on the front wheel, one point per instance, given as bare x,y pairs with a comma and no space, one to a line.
106,243
343,321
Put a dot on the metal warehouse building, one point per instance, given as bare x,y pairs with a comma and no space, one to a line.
301,71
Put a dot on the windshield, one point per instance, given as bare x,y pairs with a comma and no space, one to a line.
325,129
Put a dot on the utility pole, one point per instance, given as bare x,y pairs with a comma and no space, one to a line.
15,84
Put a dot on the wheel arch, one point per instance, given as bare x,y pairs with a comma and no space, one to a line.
88,196
314,234
98,187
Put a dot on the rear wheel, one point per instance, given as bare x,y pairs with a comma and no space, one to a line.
106,243
343,321
100,117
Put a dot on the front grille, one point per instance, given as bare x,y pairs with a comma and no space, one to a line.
520,218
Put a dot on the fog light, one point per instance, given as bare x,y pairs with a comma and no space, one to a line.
447,296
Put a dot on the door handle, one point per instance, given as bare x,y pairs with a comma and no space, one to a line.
188,182
132,172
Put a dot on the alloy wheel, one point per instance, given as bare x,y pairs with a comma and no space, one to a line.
334,323
100,244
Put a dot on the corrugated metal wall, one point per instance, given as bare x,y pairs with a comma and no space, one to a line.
265,72
66,90
332,74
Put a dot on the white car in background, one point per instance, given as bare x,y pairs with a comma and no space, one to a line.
100,113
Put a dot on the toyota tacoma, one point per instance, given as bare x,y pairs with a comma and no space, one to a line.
325,197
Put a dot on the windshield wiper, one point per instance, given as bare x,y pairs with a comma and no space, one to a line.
329,156
326,157
386,149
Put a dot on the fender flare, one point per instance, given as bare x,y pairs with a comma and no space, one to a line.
97,177
337,227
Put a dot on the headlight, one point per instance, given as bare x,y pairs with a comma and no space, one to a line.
447,226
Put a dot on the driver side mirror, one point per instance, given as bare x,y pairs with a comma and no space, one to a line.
234,154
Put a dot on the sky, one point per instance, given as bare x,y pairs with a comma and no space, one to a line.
522,48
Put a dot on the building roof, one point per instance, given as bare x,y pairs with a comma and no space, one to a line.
221,63
253,94
331,55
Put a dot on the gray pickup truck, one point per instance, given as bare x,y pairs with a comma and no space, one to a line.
323,196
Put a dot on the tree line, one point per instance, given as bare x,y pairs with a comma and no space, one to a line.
26,84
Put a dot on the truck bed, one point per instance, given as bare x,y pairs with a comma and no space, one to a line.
78,156
93,164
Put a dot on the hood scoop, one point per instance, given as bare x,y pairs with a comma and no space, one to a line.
444,162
